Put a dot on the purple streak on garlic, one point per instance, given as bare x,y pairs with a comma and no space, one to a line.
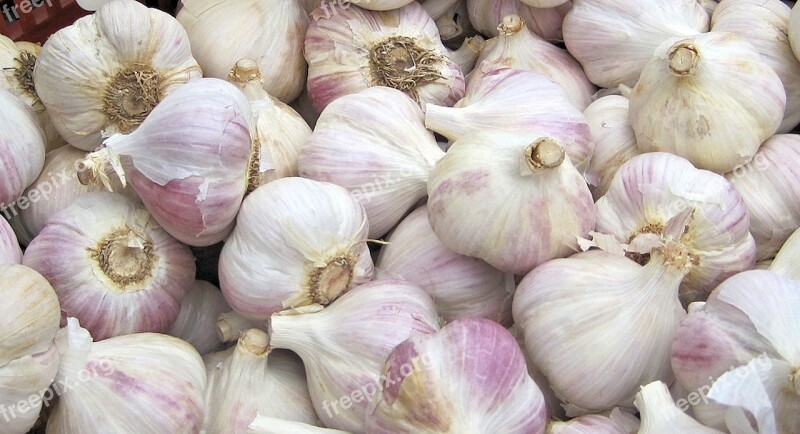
461,286
769,186
188,161
10,252
520,101
384,157
468,377
511,199
112,266
660,414
201,306
785,262
485,15
616,422
297,242
614,139
345,345
354,49
25,380
654,190
22,147
614,39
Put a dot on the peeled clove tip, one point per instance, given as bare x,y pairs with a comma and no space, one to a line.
510,25
545,153
683,58
255,341
244,71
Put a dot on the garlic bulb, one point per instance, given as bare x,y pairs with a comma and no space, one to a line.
30,313
517,47
614,139
660,414
10,252
461,286
785,262
543,3
351,49
566,306
297,242
614,39
271,425
617,422
739,352
112,266
794,31
383,5
254,381
105,73
188,161
345,345
694,89
154,384
22,146
515,100
454,27
485,15
526,202
555,410
768,186
468,377
23,390
765,24
384,157
709,5
656,194
197,320
437,8
269,32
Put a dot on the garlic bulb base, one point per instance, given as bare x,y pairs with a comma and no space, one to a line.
683,58
131,95
125,257
24,73
679,255
400,63
326,284
544,153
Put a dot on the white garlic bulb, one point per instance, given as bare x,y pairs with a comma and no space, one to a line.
254,381
468,377
543,3
188,161
614,39
30,313
785,262
656,194
461,286
105,73
564,307
660,414
154,383
352,49
614,139
10,252
555,409
382,5
617,422
269,32
271,425
23,390
694,89
794,31
297,242
518,47
384,157
486,15
511,199
201,306
345,345
765,24
112,266
515,100
22,147
740,352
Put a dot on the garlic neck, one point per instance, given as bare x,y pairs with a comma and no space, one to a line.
679,256
131,95
231,326
511,25
544,153
683,58
254,342
325,284
24,73
126,257
398,62
246,75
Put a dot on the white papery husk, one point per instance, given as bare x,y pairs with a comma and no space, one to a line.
270,425
10,252
201,306
344,345
124,51
651,190
694,89
23,385
614,139
351,49
660,414
384,157
485,15
615,422
22,146
297,242
785,262
154,383
741,350
614,39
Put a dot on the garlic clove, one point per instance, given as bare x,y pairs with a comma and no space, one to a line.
10,252
485,15
614,139
22,145
660,414
197,320
270,425
23,390
786,259
112,266
383,157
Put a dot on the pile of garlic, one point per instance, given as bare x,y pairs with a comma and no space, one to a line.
399,216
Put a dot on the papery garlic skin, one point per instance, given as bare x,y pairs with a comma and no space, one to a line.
660,414
794,31
765,24
30,313
694,89
614,39
271,425
112,266
785,262
614,139
197,320
297,242
10,252
468,377
511,199
352,49
518,47
617,422
345,345
153,382
106,72
25,380
486,15
22,146
383,157
461,286
652,190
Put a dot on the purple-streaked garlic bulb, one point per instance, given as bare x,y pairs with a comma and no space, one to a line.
112,266
468,377
614,140
615,422
22,146
486,15
10,252
201,307
272,425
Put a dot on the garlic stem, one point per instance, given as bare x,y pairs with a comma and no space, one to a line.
244,71
231,326
467,54
511,25
447,121
683,58
544,153
254,341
